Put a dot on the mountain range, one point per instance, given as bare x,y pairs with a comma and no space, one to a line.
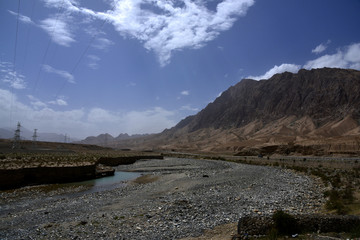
312,112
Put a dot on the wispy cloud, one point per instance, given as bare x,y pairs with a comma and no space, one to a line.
59,31
93,61
185,93
285,67
36,103
189,108
11,77
102,43
321,47
64,74
59,102
164,26
22,18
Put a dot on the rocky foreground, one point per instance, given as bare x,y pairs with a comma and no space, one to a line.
182,198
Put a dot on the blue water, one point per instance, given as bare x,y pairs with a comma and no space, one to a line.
110,180
105,183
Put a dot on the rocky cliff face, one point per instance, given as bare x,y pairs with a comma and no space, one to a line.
322,94
311,112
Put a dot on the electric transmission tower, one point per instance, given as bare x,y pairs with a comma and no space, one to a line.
16,140
34,137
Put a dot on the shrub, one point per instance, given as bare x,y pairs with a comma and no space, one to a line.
335,202
285,224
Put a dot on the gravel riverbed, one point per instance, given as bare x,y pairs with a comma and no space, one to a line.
187,197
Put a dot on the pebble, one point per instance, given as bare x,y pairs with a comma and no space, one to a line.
142,211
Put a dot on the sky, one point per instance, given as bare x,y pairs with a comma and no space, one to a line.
86,67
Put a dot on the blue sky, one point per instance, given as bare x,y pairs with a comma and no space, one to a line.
85,67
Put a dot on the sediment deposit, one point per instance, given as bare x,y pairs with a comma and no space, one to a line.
187,197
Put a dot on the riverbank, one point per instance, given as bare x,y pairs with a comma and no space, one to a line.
182,198
30,168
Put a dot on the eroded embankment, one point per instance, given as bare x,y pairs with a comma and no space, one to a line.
16,175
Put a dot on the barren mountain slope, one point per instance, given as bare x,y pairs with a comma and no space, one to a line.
318,108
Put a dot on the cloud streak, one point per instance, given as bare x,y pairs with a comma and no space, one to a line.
64,74
321,47
58,30
22,18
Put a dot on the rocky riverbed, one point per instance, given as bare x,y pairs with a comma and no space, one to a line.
182,198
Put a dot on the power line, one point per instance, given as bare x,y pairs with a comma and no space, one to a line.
28,34
14,61
48,46
16,35
83,54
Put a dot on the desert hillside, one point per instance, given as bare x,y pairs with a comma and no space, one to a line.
312,112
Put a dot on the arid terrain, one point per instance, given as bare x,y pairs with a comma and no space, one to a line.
176,198
287,145
312,112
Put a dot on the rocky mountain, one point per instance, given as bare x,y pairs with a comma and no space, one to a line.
108,140
321,94
311,112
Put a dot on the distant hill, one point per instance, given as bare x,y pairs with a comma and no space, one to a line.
108,140
312,112
25,134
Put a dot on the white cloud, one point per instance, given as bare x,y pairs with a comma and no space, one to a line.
93,61
163,26
321,47
102,43
285,67
41,117
153,120
80,123
347,57
149,121
59,102
11,77
36,103
185,93
58,30
22,18
189,108
64,74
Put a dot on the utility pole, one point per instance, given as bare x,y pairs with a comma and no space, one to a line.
16,141
65,138
34,137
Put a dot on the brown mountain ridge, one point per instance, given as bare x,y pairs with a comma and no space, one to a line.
312,112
